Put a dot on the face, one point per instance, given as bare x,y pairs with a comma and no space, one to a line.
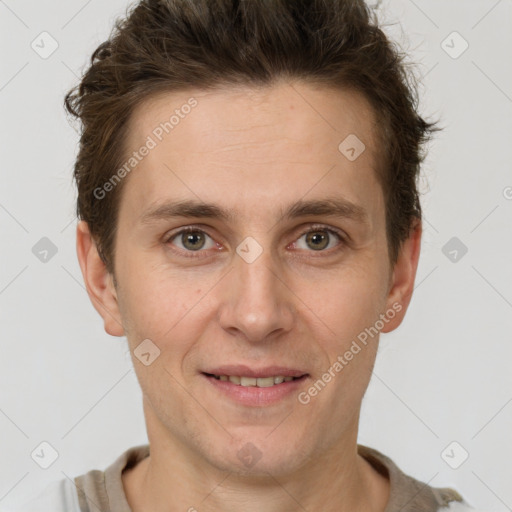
277,277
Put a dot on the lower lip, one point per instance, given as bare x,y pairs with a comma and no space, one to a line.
255,396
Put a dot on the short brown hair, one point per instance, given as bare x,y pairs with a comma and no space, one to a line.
170,45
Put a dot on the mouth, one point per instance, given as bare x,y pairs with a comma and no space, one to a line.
259,382
255,387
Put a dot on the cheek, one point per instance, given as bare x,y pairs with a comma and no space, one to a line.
345,302
168,306
346,335
151,302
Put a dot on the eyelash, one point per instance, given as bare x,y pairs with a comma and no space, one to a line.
318,227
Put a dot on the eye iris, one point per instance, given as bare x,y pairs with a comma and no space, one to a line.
315,236
192,237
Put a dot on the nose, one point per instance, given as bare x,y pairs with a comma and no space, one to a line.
257,304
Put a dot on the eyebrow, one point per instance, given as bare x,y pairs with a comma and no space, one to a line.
332,207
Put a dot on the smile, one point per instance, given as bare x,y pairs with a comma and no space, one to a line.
260,382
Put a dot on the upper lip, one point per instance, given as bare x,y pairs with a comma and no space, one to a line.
246,371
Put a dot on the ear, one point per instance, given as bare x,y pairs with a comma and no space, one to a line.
402,280
98,281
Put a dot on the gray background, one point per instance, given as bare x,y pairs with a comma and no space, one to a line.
444,376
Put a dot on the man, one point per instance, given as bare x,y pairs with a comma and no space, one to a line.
249,220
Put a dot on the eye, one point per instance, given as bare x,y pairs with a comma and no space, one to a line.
319,238
192,240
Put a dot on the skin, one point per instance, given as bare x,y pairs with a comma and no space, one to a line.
255,150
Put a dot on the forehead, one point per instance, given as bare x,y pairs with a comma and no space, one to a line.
246,146
309,111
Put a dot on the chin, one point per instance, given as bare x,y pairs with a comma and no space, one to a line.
261,455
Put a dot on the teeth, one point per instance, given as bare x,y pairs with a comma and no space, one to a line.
248,381
260,382
265,382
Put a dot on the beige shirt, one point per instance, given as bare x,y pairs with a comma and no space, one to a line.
103,490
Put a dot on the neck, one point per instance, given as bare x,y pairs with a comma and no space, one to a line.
175,478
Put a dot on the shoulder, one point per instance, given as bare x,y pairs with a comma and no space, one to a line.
459,507
58,496
408,493
92,491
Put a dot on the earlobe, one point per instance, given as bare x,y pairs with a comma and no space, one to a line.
99,282
403,277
